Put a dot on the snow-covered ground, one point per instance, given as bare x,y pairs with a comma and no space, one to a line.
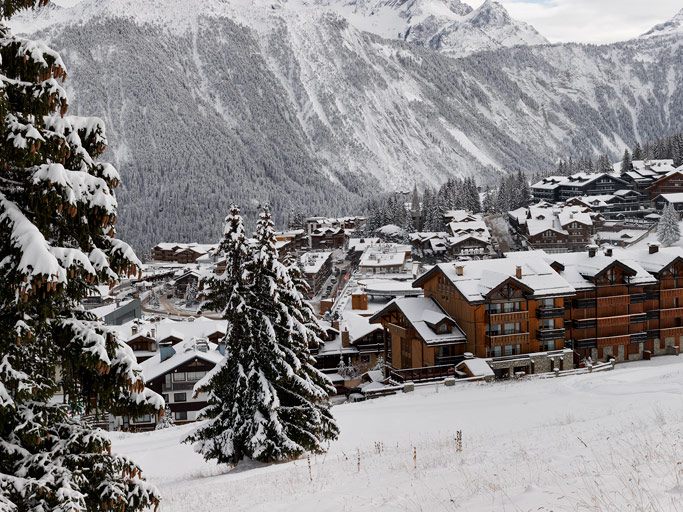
611,441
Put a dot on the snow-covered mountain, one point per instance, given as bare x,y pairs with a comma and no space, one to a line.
672,27
450,26
260,100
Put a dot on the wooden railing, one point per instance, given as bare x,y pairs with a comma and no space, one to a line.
508,339
508,318
420,374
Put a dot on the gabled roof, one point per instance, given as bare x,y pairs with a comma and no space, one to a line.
482,276
580,268
652,262
185,351
675,198
421,313
666,177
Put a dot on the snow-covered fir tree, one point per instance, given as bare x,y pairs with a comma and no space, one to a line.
267,401
57,242
165,420
668,230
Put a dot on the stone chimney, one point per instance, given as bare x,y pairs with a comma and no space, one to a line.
518,272
592,251
345,338
134,329
653,247
335,324
608,251
459,270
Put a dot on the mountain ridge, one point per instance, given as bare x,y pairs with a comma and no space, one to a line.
303,110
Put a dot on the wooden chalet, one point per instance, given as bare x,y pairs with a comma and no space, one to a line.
671,183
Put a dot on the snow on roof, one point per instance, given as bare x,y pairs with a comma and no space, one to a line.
461,216
360,244
477,367
178,247
183,329
480,277
569,215
549,182
103,311
312,262
537,226
626,192
391,255
675,198
185,351
391,229
358,326
476,228
421,312
579,267
385,286
652,262
624,235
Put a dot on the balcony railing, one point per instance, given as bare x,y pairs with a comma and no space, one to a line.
507,318
550,334
448,360
640,337
638,317
178,386
507,339
637,298
586,323
653,314
585,303
550,312
585,343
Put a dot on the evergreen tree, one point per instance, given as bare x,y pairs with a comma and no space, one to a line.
637,152
57,242
668,230
266,400
626,162
165,420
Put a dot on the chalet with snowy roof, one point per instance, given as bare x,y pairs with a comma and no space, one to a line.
609,316
554,228
506,307
355,339
184,280
423,340
173,372
385,258
316,268
181,252
426,244
671,183
461,216
561,188
673,199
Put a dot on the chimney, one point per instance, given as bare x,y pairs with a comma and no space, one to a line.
459,270
166,351
653,247
345,338
134,329
221,346
592,251
154,332
608,251
518,272
335,324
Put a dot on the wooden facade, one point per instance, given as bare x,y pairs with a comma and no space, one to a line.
668,184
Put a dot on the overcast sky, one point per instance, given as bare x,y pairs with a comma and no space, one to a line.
588,21
591,21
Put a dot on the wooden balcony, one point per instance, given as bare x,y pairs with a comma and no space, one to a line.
508,339
508,318
671,332
666,314
550,334
550,312
610,341
422,374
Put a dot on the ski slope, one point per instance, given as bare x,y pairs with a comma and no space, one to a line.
609,441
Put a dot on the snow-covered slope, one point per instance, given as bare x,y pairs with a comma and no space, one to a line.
260,100
672,27
600,442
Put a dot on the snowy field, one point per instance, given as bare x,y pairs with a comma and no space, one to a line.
609,441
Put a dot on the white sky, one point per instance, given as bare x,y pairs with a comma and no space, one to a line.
587,21
591,21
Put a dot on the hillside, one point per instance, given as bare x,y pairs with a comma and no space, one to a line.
601,442
291,103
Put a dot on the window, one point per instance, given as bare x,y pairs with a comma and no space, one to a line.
512,328
509,307
507,350
180,397
179,377
494,330
194,376
365,359
443,328
165,397
142,419
497,351
549,345
547,303
180,415
547,323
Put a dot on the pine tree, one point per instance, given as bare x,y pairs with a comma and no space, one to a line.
637,152
668,230
626,162
57,242
165,420
266,401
